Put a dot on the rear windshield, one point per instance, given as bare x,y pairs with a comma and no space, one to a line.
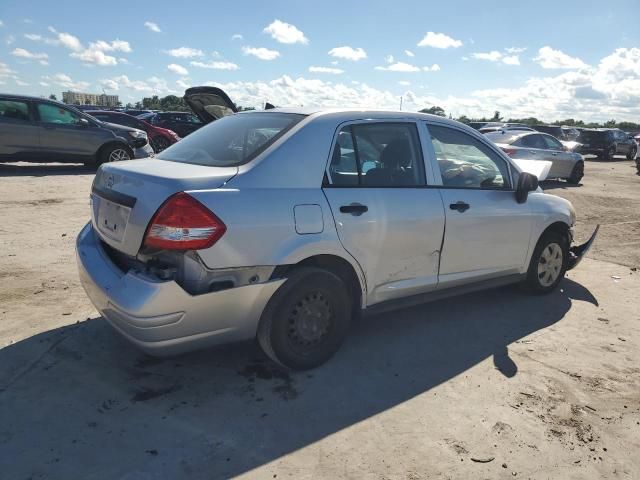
593,135
232,140
501,136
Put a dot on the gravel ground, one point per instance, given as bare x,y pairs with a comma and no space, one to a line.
497,384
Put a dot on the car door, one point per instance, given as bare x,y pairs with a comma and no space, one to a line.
562,161
623,142
63,136
486,230
386,217
19,134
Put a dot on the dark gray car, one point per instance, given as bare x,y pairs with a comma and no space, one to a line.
38,130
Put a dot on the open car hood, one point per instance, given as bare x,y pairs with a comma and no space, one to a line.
209,103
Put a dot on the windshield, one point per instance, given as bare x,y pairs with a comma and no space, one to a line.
232,140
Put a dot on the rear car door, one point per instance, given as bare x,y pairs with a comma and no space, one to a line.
562,161
487,231
19,134
63,137
386,216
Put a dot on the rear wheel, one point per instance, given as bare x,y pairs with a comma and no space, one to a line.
159,143
576,174
632,153
306,320
548,263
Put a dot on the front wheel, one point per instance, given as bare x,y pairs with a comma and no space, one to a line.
115,153
306,320
576,174
548,263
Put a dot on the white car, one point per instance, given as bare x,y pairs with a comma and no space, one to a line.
284,224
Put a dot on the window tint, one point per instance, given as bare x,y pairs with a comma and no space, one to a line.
54,114
465,162
11,111
552,143
377,155
231,140
533,141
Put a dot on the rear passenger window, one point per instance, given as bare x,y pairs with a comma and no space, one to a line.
465,162
377,155
13,112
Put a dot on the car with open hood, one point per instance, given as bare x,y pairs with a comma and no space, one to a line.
283,225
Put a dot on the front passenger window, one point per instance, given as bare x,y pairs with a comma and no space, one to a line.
53,114
465,162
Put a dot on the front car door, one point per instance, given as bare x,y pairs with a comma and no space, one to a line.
63,137
562,161
386,216
486,231
19,134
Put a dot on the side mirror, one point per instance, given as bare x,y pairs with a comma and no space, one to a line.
83,122
527,182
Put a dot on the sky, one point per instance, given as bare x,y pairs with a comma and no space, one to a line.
549,59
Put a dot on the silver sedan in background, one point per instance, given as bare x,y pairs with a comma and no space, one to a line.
527,145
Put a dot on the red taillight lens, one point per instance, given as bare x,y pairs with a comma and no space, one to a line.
509,151
183,223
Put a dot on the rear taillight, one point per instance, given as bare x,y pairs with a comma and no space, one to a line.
509,151
183,223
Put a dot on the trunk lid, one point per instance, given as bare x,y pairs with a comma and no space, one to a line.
209,103
126,195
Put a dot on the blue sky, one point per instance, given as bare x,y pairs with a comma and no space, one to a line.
548,59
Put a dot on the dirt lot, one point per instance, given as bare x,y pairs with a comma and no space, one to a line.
491,385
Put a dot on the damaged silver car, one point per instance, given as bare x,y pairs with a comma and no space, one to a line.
284,224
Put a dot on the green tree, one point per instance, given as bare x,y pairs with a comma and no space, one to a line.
435,110
53,97
496,117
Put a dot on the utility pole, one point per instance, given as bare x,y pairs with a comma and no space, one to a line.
401,103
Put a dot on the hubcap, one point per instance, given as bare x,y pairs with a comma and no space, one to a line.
310,320
118,155
550,264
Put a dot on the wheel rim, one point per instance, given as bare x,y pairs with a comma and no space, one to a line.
310,321
159,144
550,264
118,155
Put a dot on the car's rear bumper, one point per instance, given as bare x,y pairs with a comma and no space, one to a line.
159,316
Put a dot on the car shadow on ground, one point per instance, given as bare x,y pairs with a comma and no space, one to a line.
24,169
79,402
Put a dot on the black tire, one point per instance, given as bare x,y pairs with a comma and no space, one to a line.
303,339
536,283
159,143
115,153
632,153
576,174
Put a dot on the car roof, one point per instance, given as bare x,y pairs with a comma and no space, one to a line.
16,96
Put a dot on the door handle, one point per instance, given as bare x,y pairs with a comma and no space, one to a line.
355,209
460,206
554,154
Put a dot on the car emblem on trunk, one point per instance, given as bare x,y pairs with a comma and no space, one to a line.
109,181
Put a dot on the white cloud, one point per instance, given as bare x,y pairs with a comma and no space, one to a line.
95,57
185,52
67,40
261,53
348,53
216,65
514,50
236,36
439,40
5,71
1,23
400,67
492,56
33,36
183,83
152,26
555,59
285,33
179,69
20,82
63,80
388,59
434,68
404,83
22,53
9,39
409,53
511,60
113,46
153,85
334,71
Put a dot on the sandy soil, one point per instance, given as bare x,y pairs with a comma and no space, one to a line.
491,385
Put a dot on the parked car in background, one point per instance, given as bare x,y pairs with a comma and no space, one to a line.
285,224
183,123
135,113
553,130
159,138
505,128
37,130
562,134
541,146
606,143
571,133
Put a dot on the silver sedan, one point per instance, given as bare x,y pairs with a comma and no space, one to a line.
284,224
526,145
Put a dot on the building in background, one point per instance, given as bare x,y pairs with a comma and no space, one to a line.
77,98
